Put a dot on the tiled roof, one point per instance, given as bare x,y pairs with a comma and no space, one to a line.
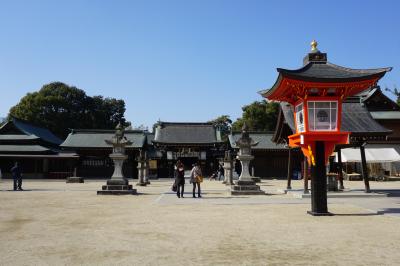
264,140
186,133
39,132
18,137
331,72
24,148
96,138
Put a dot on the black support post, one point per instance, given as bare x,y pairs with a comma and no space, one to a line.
364,169
319,202
290,170
340,169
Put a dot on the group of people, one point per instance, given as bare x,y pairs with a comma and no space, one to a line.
218,174
16,173
196,177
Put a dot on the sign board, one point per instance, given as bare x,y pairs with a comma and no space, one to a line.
153,164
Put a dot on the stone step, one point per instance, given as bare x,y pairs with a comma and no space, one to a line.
247,192
117,187
238,188
245,183
117,192
75,179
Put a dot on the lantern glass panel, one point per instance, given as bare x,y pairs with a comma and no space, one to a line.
322,115
300,117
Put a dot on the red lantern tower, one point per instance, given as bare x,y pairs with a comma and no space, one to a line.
316,92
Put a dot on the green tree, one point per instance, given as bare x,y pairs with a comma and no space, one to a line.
224,123
59,107
395,92
259,116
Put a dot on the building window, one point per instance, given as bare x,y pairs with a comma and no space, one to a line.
322,115
300,118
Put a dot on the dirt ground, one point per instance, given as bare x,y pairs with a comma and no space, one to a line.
54,223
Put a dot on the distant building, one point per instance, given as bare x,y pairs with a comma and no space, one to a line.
35,148
93,152
188,142
370,117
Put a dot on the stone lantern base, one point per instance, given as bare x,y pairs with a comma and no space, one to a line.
117,187
248,187
75,179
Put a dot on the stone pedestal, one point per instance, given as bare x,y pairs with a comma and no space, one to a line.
228,177
141,168
75,179
146,173
255,179
118,184
332,184
246,188
246,185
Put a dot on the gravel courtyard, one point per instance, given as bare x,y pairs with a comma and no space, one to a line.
54,223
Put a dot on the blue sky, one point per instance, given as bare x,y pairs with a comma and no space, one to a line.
185,60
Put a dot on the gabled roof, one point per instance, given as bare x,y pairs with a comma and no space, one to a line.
18,137
150,138
31,131
264,140
31,149
328,72
186,133
87,138
318,77
357,119
376,100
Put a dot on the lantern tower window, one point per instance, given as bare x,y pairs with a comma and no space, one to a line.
300,117
322,115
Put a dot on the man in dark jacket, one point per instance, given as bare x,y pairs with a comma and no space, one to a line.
16,174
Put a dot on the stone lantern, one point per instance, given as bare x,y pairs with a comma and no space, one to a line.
245,185
118,184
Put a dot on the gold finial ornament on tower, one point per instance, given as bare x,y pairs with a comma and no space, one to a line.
314,46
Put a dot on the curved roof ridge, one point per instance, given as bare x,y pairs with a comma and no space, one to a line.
356,70
360,70
37,131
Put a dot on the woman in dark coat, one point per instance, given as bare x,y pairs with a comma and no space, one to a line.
180,179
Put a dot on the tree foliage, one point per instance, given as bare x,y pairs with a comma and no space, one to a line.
224,123
59,107
259,116
395,92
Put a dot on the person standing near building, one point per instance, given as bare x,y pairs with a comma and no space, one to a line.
180,179
196,177
17,176
220,172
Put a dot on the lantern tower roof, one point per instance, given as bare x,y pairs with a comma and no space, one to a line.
318,77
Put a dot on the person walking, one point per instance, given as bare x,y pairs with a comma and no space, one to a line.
196,177
220,172
180,179
17,176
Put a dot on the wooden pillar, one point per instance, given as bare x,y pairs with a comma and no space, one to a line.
290,170
364,169
305,175
340,169
319,202
36,167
